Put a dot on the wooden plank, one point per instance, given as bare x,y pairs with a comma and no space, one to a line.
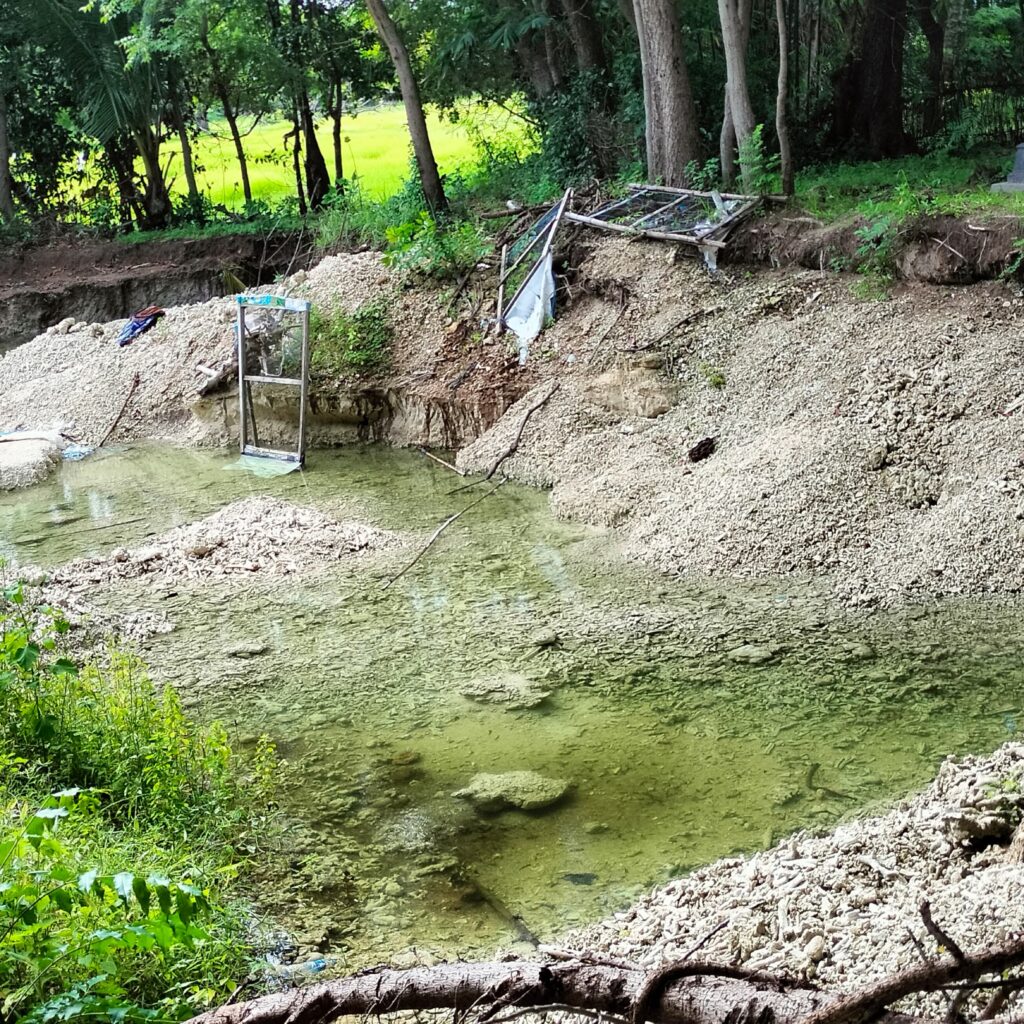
501,282
624,229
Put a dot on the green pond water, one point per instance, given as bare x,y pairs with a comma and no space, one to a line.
678,750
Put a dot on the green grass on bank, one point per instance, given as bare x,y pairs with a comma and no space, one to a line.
909,186
123,825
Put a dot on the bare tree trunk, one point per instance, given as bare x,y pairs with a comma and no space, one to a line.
186,153
869,89
300,192
781,122
956,23
155,200
735,18
530,51
232,119
6,193
935,35
337,108
727,144
433,190
585,33
671,121
318,181
684,992
551,45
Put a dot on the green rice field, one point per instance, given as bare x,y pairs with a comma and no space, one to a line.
375,150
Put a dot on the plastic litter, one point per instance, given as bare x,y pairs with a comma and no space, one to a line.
77,452
262,466
139,323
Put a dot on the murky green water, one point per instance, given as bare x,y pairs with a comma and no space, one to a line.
678,752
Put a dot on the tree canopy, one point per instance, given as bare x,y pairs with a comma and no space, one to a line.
92,96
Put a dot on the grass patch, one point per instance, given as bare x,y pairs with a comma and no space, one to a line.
344,343
122,828
376,152
909,186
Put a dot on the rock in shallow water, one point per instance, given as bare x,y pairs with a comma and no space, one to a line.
510,689
524,791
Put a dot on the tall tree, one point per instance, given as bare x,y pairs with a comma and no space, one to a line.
433,190
6,192
670,116
869,87
781,99
734,16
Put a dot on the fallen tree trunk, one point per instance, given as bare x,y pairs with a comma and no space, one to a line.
686,992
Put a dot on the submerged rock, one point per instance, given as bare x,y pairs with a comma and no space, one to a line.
524,791
751,654
510,689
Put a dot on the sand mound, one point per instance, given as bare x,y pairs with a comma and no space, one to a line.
862,440
254,535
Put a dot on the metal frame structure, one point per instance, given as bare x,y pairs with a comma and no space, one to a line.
246,414
677,215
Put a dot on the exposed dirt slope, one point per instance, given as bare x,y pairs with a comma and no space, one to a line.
863,440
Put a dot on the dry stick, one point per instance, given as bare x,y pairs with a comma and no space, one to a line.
117,418
440,461
940,936
437,533
512,447
519,434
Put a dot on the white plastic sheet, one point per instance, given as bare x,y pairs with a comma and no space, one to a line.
533,306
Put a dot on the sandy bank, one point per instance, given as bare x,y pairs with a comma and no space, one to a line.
258,535
844,908
860,441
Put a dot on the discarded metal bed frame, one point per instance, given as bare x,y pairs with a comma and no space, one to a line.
671,218
246,379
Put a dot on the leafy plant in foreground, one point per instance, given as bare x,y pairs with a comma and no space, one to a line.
115,889
443,252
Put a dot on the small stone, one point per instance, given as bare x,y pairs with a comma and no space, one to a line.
815,949
252,649
751,654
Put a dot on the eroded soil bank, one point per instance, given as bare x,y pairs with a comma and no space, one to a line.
866,454
874,445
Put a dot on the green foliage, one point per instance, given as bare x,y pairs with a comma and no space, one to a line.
80,939
759,168
346,342
706,176
114,890
442,251
713,376
876,254
1014,261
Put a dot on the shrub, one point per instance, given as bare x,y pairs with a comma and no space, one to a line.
343,342
121,828
440,251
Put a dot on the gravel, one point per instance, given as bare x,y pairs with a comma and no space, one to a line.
255,535
844,908
861,442
27,459
75,377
